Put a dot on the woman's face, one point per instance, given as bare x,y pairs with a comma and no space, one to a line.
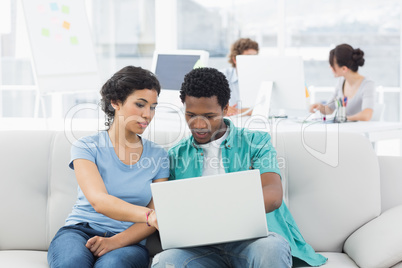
137,111
250,52
338,71
247,52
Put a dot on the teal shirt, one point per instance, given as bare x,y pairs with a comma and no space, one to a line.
244,149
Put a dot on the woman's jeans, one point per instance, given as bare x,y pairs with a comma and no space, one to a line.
272,251
68,250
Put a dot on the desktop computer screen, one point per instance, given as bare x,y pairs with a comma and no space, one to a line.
288,95
170,67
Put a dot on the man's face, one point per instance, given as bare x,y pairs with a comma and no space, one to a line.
204,117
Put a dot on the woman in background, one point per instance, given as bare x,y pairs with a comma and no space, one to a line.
243,46
114,213
355,91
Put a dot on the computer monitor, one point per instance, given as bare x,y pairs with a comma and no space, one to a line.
170,67
287,74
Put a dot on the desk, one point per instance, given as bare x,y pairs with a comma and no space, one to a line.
374,131
175,123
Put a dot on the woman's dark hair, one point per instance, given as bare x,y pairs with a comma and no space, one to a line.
240,46
206,82
346,55
124,83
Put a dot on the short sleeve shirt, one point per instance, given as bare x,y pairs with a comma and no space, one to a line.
130,183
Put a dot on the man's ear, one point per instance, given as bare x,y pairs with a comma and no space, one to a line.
225,109
234,60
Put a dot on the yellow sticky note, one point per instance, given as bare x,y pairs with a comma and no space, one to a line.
66,25
45,32
74,40
307,93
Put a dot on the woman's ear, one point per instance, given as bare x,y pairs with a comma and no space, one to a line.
234,60
115,105
345,69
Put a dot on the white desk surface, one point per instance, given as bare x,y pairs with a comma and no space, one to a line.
374,131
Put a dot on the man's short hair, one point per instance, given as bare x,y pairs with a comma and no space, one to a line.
206,82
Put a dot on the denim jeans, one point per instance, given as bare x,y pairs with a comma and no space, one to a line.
271,251
67,249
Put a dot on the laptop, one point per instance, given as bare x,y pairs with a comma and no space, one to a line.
210,210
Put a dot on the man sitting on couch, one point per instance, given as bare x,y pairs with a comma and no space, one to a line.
205,94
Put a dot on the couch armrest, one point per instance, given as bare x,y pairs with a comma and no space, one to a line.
391,181
378,243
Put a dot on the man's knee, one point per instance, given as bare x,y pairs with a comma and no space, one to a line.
166,259
272,247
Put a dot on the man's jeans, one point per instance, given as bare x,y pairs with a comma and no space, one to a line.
271,251
68,250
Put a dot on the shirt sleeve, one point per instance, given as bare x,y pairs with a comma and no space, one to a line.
368,98
264,156
82,149
172,175
163,167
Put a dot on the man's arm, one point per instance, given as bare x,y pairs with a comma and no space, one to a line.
272,191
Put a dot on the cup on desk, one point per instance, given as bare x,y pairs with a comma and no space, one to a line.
340,115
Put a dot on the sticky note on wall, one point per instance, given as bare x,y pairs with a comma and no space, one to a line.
45,32
65,9
54,7
66,25
74,40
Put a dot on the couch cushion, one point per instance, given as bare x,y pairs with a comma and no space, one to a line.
62,181
333,183
25,158
378,244
391,181
23,258
335,260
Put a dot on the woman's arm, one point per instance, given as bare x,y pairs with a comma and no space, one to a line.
133,235
364,115
324,109
94,189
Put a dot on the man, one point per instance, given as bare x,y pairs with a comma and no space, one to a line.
217,146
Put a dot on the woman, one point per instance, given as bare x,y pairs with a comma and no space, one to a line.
243,46
354,91
114,169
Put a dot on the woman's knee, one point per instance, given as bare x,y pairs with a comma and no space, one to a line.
126,257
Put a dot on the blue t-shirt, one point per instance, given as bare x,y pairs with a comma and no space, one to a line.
130,183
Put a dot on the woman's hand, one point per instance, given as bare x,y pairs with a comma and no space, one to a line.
315,107
152,220
232,110
102,245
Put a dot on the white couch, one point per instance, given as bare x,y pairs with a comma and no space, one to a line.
336,194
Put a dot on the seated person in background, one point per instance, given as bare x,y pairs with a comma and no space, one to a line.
107,225
243,46
221,147
357,90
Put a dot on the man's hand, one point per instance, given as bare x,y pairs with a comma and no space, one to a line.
101,245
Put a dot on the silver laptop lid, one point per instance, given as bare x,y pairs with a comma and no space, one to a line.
209,210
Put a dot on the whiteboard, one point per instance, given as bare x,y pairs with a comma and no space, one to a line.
61,44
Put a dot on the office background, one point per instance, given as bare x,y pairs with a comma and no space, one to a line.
126,32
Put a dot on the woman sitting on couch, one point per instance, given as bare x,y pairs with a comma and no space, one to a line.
114,169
